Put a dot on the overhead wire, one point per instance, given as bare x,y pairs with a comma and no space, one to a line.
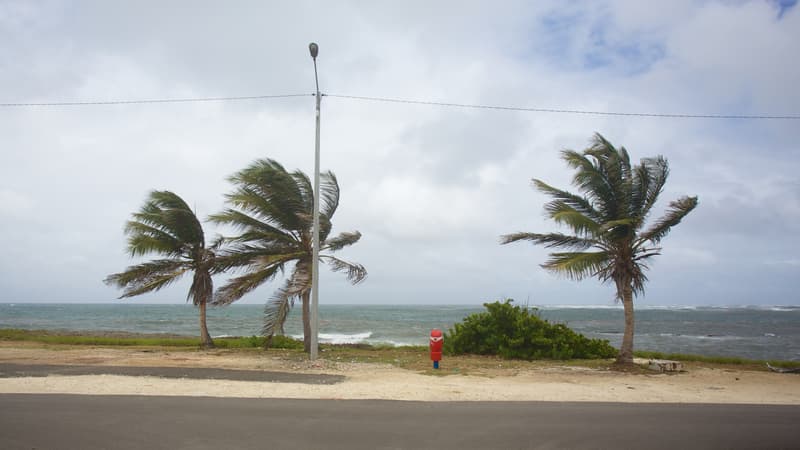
567,111
413,102
158,100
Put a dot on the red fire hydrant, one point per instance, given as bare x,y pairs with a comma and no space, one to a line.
436,347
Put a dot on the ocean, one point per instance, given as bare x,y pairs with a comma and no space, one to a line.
769,333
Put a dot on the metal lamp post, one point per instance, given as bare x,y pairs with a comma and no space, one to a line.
314,49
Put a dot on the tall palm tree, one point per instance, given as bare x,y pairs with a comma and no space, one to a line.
609,218
273,210
166,226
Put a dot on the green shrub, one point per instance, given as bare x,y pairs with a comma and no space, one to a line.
513,332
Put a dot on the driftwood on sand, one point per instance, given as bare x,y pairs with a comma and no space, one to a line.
783,369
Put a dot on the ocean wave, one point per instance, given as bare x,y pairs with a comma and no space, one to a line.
783,308
555,307
704,337
340,338
667,307
398,343
777,308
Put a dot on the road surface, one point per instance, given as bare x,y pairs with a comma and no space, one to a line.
136,422
12,370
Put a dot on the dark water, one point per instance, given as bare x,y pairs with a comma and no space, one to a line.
752,332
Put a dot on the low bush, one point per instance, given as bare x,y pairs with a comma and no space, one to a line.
513,332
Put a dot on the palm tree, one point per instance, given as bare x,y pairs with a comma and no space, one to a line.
609,218
273,210
167,226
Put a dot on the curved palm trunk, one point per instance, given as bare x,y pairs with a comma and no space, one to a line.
626,351
205,338
306,321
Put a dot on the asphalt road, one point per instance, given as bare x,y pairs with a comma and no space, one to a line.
10,370
133,422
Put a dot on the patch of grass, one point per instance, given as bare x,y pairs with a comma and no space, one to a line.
278,342
135,340
695,358
721,361
48,337
415,358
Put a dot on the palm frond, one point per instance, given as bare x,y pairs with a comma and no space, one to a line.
306,190
237,287
329,194
356,273
620,227
645,253
614,168
655,171
578,203
256,257
170,213
255,229
267,205
640,184
277,308
592,182
341,241
148,277
218,243
164,225
267,189
144,239
676,211
577,265
551,240
566,215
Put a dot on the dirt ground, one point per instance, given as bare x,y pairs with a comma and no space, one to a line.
535,382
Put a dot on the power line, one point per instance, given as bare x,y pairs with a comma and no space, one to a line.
159,100
414,102
567,111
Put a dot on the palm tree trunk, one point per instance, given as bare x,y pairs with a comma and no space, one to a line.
205,338
626,351
306,321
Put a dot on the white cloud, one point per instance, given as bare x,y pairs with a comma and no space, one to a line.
14,204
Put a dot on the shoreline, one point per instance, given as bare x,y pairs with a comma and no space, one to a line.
703,331
508,381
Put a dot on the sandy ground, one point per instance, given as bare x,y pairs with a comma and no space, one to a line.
376,381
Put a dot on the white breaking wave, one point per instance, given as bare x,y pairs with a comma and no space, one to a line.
552,307
336,338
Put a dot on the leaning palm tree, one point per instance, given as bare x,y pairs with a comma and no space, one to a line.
609,218
273,211
166,226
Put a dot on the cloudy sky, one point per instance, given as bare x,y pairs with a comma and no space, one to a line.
431,188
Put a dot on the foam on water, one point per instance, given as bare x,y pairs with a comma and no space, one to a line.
339,338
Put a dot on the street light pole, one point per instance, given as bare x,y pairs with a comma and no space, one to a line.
314,49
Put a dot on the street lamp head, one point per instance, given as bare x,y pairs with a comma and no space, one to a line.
314,49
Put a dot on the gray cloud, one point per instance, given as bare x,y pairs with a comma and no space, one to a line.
431,188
